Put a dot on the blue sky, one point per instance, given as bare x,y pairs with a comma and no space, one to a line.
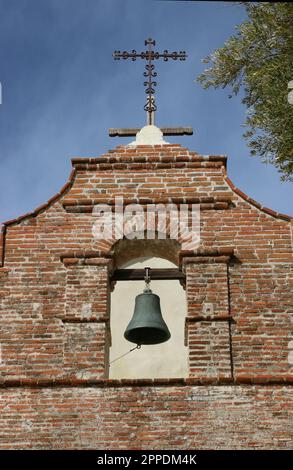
62,91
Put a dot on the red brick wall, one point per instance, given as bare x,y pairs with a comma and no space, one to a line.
146,417
55,308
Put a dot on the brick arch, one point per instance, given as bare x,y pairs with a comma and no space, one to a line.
126,250
167,241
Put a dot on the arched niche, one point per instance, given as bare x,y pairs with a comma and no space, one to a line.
165,360
127,250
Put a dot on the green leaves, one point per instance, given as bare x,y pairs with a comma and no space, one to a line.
259,60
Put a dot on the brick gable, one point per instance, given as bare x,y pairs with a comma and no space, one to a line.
55,291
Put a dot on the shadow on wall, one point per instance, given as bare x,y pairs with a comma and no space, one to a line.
166,360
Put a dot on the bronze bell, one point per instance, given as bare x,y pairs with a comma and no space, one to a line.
147,325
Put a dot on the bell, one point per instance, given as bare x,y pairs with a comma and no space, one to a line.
147,325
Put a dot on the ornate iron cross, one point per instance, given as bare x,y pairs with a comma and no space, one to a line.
150,74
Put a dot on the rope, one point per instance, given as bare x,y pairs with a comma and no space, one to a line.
138,346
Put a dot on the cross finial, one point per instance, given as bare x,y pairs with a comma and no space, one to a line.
150,41
150,55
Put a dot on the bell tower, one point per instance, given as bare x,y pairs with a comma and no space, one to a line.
230,260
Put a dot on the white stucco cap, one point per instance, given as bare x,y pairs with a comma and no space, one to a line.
149,135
